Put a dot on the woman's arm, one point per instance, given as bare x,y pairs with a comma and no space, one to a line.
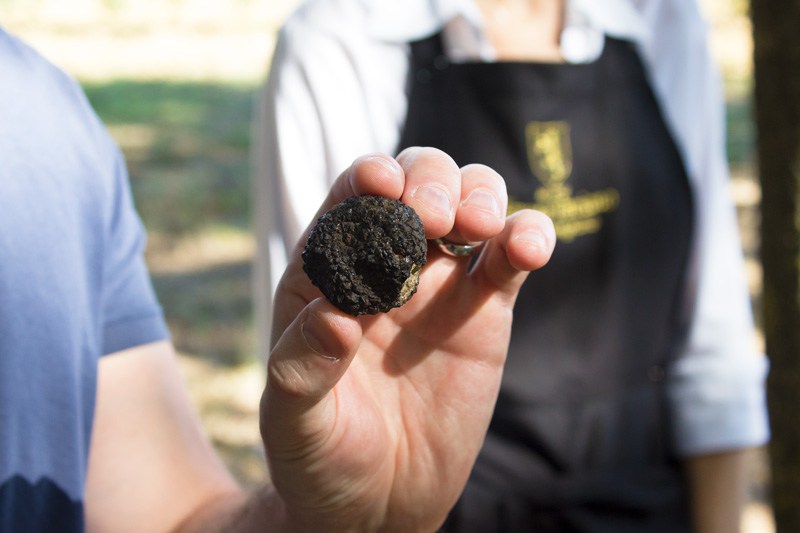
718,487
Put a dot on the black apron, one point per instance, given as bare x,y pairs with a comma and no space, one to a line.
580,439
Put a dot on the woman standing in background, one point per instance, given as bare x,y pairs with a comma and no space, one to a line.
632,388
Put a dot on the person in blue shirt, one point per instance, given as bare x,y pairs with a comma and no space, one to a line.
368,423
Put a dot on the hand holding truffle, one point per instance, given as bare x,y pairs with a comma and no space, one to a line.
373,422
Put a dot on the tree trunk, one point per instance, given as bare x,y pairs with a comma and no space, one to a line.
776,35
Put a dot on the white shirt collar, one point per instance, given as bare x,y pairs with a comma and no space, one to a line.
408,20
587,21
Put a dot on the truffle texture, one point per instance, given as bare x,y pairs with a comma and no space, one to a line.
366,254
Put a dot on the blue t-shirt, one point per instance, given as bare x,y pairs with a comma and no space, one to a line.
73,286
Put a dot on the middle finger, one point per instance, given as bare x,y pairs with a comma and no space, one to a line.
432,188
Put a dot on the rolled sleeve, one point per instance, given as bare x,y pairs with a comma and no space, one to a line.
723,413
716,384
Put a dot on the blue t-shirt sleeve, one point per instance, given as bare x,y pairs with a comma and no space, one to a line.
132,315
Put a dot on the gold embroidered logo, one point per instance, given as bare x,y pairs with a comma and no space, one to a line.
550,160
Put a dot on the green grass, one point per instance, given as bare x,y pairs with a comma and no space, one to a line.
739,123
193,171
187,148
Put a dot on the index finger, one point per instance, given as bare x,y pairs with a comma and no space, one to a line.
372,174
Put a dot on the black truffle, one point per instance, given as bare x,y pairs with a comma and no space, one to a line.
366,254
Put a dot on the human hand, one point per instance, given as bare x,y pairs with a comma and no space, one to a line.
374,422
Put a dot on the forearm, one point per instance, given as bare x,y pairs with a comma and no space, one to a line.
717,485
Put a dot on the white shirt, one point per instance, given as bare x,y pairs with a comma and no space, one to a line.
337,90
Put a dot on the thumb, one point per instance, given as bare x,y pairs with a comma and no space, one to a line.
308,360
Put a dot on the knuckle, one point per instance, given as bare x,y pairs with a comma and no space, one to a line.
290,378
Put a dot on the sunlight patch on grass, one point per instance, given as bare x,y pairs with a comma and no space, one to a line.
134,139
213,248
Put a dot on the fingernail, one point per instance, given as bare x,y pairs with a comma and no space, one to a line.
314,333
485,200
386,162
534,239
436,198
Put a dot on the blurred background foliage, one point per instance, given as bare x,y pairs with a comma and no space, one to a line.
175,81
